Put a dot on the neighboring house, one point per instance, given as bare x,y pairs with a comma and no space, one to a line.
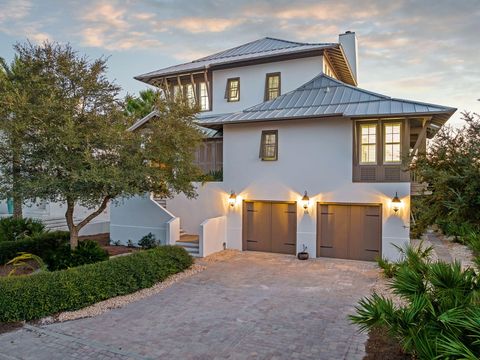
52,214
309,159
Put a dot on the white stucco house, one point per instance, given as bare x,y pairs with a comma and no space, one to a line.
310,160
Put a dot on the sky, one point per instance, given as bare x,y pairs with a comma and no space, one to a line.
424,50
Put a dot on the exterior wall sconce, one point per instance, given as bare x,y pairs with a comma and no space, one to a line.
396,203
305,202
232,200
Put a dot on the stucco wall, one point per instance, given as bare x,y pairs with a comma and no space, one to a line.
313,155
211,202
294,73
133,218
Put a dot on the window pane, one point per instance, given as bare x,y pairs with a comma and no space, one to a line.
190,94
233,90
204,102
368,143
273,87
392,143
269,146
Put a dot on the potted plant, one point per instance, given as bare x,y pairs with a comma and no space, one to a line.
303,255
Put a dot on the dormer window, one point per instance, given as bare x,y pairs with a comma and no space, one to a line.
232,92
272,86
269,145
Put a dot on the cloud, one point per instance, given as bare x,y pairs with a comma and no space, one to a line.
201,25
114,28
15,10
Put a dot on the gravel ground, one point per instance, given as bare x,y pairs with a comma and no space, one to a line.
459,252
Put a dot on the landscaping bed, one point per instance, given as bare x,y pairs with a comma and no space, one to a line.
380,345
46,293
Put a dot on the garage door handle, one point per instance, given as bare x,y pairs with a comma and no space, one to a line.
252,241
372,250
288,244
326,247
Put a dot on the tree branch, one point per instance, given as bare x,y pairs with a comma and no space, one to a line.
93,215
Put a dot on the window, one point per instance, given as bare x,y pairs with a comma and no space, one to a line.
272,86
392,142
269,145
203,96
190,94
177,91
368,144
233,90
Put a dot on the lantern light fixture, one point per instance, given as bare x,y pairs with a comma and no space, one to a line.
232,200
305,202
396,203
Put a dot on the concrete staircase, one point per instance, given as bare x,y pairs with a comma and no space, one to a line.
190,243
57,223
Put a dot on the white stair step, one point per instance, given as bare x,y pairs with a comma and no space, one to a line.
189,245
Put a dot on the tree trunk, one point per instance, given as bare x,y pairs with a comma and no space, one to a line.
17,198
71,225
17,207
75,229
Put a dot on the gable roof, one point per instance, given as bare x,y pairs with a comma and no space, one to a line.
324,96
259,49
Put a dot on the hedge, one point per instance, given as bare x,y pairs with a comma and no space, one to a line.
41,245
46,293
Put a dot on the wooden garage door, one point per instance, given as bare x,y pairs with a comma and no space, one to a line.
349,231
270,226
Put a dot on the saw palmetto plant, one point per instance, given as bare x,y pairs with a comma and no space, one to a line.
441,315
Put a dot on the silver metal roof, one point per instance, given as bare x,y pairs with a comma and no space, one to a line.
257,49
207,132
324,96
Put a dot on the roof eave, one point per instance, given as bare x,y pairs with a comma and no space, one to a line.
307,117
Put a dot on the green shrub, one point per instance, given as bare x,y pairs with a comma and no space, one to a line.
38,295
389,268
148,241
41,245
12,229
441,315
87,252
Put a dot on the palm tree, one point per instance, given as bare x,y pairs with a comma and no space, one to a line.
141,105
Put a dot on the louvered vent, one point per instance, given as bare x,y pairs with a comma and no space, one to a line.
392,173
368,173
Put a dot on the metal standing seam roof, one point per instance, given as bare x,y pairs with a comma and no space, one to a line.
207,132
266,47
324,96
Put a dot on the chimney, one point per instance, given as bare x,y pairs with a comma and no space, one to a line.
348,40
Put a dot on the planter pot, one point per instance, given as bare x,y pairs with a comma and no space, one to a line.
302,255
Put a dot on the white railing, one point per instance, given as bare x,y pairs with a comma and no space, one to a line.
213,235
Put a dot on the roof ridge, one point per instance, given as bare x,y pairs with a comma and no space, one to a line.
296,43
235,47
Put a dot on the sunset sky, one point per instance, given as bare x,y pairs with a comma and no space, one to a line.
421,50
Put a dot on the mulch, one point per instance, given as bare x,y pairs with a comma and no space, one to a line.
380,345
118,250
24,270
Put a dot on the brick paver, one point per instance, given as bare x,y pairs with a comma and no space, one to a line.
253,306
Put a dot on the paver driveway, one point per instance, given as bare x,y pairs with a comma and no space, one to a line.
251,306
